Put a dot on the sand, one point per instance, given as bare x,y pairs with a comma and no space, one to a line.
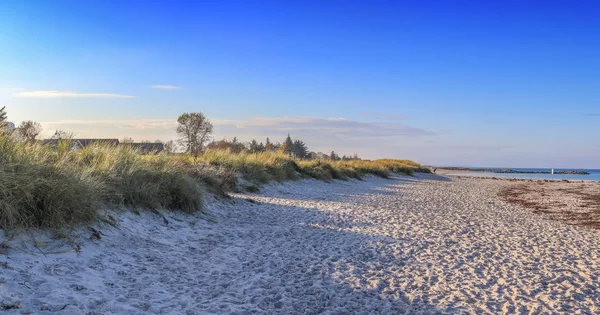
401,246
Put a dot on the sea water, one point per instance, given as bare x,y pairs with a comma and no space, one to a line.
594,173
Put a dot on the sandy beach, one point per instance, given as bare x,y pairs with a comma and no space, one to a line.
407,245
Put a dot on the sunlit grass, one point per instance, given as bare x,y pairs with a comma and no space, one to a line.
56,188
266,166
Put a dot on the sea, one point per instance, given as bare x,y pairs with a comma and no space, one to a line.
594,173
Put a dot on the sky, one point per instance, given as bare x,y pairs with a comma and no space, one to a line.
465,83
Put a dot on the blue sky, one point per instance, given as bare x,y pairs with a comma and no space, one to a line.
482,83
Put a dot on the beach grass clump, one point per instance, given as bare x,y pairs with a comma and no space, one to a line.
135,181
259,167
324,170
363,167
47,187
36,192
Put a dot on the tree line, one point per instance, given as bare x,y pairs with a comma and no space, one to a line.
195,132
195,135
26,130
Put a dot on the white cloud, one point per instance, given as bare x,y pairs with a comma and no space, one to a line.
368,139
166,87
338,127
67,94
268,125
139,124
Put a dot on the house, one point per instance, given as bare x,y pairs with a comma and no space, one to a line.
321,155
77,144
146,148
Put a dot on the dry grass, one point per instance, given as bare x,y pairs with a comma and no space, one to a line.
58,188
43,187
266,166
258,167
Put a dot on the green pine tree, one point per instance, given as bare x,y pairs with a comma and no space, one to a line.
288,145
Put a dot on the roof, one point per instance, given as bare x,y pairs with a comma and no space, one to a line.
83,142
146,147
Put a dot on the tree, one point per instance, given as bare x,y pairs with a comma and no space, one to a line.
63,135
127,140
276,146
299,149
268,145
3,117
29,130
253,146
334,156
236,146
288,146
195,130
169,147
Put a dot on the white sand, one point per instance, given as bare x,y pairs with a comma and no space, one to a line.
379,246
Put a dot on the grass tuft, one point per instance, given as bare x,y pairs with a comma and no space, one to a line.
47,188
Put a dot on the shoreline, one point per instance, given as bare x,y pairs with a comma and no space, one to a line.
513,171
457,174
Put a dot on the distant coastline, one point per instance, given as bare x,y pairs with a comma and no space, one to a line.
511,171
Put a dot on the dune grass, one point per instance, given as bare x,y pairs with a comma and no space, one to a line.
267,166
54,188
58,188
258,167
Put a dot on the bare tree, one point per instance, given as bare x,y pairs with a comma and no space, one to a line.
29,130
63,135
195,130
127,140
169,146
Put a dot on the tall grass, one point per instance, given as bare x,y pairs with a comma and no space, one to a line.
56,188
60,188
266,166
36,191
260,167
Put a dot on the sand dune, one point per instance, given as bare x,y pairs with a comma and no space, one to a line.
407,245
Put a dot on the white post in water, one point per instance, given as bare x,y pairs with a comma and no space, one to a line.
552,171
